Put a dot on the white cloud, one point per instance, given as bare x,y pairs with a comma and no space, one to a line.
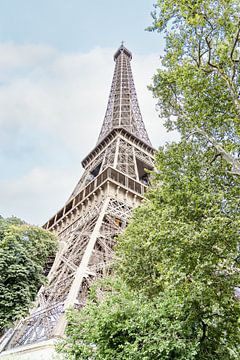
23,56
37,195
60,100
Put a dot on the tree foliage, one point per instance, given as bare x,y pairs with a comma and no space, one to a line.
198,85
24,250
177,267
177,263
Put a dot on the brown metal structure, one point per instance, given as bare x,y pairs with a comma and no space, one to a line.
113,183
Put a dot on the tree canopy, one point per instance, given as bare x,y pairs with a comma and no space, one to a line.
197,86
24,251
172,295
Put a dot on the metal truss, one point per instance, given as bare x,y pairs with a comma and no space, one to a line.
126,159
86,177
109,155
120,154
123,109
66,287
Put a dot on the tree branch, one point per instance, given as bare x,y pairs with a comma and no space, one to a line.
235,44
215,157
204,331
223,75
208,42
225,155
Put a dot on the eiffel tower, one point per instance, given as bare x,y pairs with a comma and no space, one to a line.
113,183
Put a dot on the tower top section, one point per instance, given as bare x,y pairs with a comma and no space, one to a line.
121,50
123,110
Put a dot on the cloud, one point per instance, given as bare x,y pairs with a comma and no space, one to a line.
36,195
52,107
23,56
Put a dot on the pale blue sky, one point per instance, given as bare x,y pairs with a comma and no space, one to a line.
78,25
56,67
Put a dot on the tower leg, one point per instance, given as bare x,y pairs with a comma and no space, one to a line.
81,271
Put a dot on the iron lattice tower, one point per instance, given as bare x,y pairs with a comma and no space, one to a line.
113,183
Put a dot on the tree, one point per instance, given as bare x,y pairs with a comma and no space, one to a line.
198,85
24,251
173,292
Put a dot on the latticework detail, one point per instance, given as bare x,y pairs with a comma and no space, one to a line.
123,109
51,298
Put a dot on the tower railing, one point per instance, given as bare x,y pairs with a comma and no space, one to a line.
109,174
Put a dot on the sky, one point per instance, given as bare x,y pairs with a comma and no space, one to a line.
56,67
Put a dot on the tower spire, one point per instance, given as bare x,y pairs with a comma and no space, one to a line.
122,109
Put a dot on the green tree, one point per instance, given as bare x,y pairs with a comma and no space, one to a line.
173,293
24,251
177,268
197,86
